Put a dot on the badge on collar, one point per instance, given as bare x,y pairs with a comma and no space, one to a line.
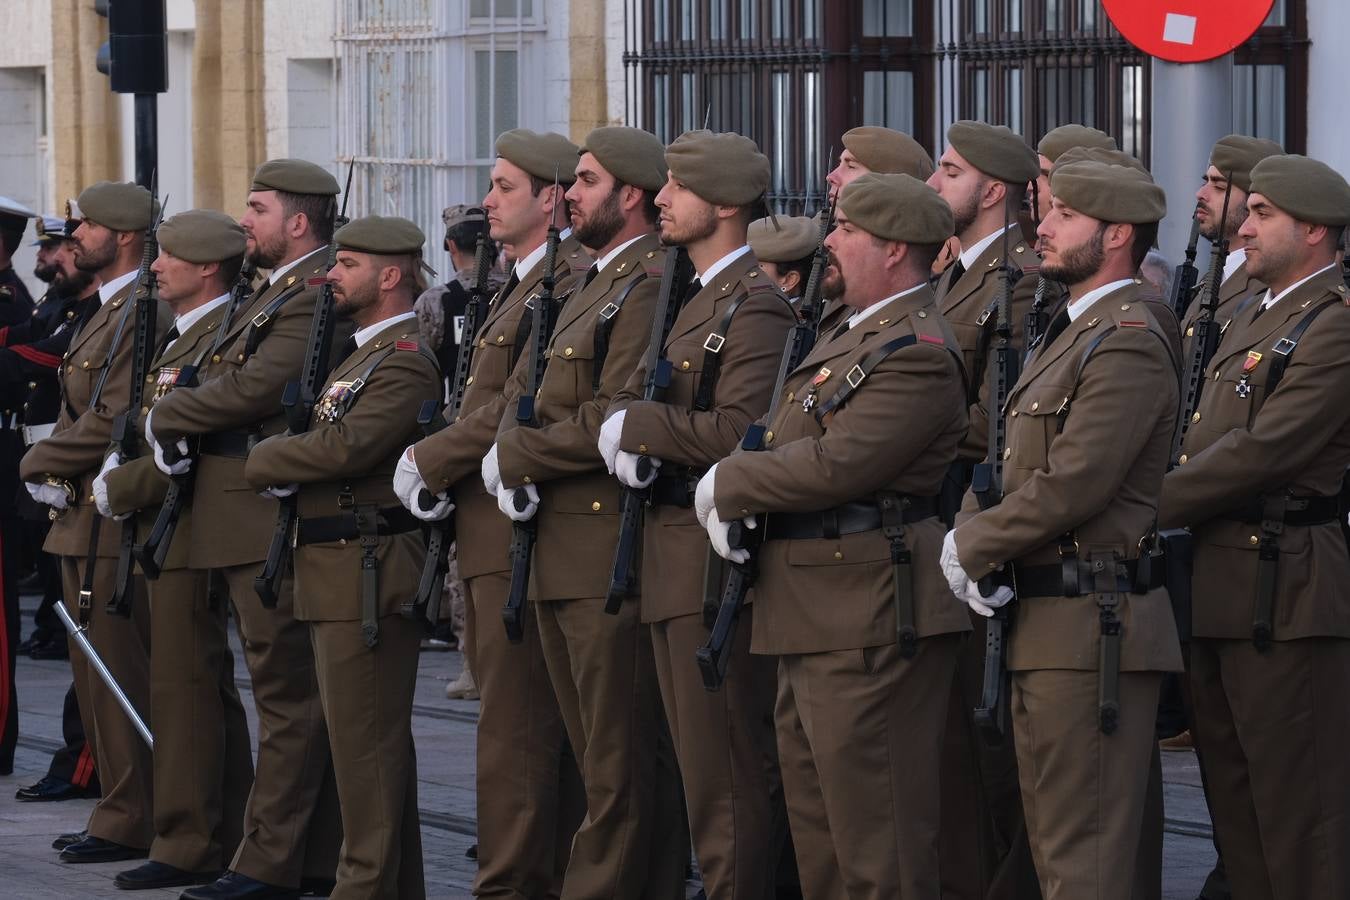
816,381
1244,388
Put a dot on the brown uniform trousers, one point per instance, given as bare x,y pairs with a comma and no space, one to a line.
75,452
723,740
1071,470
981,804
1271,724
530,799
633,842
291,826
859,724
203,766
346,462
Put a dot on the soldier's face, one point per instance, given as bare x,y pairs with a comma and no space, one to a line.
177,279
95,246
69,279
264,223
1276,241
848,170
961,185
355,280
1072,245
686,218
513,211
856,264
1209,205
47,266
593,200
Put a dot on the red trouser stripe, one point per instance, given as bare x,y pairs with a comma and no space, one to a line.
84,767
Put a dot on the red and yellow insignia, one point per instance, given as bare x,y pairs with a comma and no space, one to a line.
930,339
405,345
820,377
316,281
1133,324
1252,360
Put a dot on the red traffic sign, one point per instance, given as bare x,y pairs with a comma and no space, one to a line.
1187,30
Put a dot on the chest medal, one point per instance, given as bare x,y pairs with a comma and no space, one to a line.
164,382
1244,387
809,401
334,401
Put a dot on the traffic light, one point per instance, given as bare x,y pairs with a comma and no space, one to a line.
136,56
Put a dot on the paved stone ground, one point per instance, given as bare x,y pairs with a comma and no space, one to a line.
444,731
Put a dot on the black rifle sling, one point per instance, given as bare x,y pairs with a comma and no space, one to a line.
257,326
715,341
855,376
604,326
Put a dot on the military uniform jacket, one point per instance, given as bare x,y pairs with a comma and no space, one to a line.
1239,447
1086,454
31,353
350,451
138,485
969,306
898,431
675,546
241,392
76,449
1239,287
579,501
453,458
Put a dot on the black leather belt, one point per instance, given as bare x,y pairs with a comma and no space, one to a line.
342,527
851,518
1300,511
675,489
234,444
1048,580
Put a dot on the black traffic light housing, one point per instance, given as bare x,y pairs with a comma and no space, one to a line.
136,56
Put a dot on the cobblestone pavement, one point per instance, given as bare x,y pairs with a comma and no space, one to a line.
444,731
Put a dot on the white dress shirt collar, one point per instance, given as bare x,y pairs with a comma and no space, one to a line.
275,275
1230,265
604,261
1080,306
531,259
972,253
109,288
193,316
863,314
365,334
1270,301
705,277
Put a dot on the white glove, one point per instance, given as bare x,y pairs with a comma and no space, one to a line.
951,564
985,606
626,469
278,491
48,494
703,496
409,487
491,471
506,502
177,468
610,434
100,489
718,534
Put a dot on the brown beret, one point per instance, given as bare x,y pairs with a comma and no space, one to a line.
1237,154
786,240
1109,192
1068,137
897,208
201,236
1101,155
383,235
119,205
631,155
888,152
295,176
723,168
541,154
1309,190
995,150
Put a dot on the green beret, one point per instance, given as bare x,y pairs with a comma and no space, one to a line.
897,208
995,150
888,152
201,236
631,155
787,240
119,205
1309,190
1068,137
383,235
1237,154
1101,155
724,169
1109,192
294,176
540,154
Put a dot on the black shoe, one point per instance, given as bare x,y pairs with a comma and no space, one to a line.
56,648
97,850
472,852
160,875
51,788
65,840
233,886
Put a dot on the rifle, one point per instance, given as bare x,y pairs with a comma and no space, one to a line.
1184,278
124,426
991,716
297,401
1036,319
440,535
675,278
152,553
523,534
713,656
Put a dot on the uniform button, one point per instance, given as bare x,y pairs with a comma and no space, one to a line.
1182,459
567,351
1035,406
145,410
595,506
923,314
768,436
1190,332
1195,418
685,365
69,369
215,358
1007,452
789,397
468,381
744,511
642,448
149,379
525,480
482,342
342,541
500,338
1013,414
32,384
1124,307
838,555
240,357
1253,540
91,498
85,364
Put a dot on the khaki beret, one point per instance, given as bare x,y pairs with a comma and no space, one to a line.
382,235
462,214
119,205
541,154
888,152
897,208
294,176
789,239
1109,192
1101,155
725,169
995,150
631,155
1309,190
1068,137
1237,154
201,236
